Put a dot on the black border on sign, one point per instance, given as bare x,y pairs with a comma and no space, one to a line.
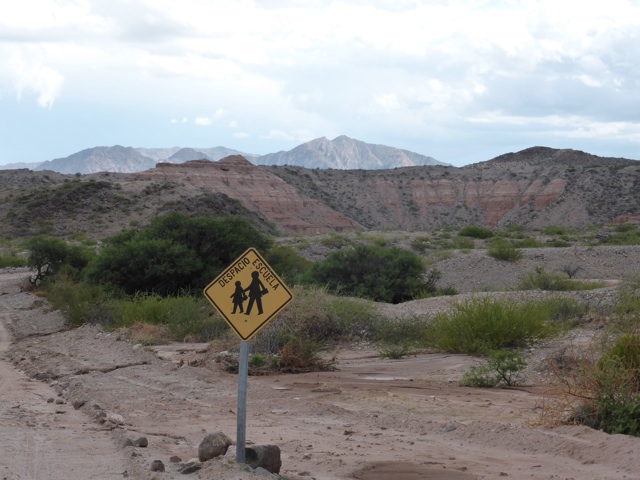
266,320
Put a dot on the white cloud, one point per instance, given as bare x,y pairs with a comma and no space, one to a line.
33,77
303,69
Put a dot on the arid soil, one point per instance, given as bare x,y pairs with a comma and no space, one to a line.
71,398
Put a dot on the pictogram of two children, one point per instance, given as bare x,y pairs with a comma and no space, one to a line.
255,289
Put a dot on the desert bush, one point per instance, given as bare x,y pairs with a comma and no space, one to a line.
300,355
173,253
431,289
571,270
475,231
554,230
623,235
482,324
625,354
602,391
559,243
12,261
320,317
528,243
288,262
50,256
542,280
147,334
421,243
183,317
396,351
186,318
335,240
257,360
504,250
80,302
381,274
628,301
459,243
502,366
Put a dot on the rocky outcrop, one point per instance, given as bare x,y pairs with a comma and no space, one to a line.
257,190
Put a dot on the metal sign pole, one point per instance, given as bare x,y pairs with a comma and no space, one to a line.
243,372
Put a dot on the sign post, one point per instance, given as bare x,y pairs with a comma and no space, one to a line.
248,294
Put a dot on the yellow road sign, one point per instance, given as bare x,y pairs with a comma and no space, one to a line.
248,294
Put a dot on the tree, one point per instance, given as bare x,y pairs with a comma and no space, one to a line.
175,252
48,256
382,274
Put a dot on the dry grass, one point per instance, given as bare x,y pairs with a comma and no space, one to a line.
147,334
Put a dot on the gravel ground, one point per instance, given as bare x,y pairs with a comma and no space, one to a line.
476,271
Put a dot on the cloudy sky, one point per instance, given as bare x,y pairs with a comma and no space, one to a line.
461,81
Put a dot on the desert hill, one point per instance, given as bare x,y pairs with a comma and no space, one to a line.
536,187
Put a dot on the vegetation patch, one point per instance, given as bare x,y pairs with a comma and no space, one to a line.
502,367
542,280
504,250
482,324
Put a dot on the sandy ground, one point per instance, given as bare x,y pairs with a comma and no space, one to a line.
372,419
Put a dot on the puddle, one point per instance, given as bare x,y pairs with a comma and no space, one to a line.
387,379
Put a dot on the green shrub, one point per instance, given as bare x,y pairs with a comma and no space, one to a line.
289,264
459,243
554,230
502,366
12,261
504,250
81,302
481,376
49,256
187,318
320,317
624,235
625,354
257,360
627,307
475,231
381,274
619,415
483,324
335,240
299,355
617,398
421,244
528,243
174,253
542,280
396,351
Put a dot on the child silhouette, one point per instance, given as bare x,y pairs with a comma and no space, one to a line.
238,297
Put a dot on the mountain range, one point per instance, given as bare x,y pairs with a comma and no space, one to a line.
534,188
340,153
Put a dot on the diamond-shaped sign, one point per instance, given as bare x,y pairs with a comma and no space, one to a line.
248,294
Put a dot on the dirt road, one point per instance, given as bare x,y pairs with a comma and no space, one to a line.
40,436
372,419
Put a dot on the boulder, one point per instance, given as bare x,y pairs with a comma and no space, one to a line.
265,456
213,445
